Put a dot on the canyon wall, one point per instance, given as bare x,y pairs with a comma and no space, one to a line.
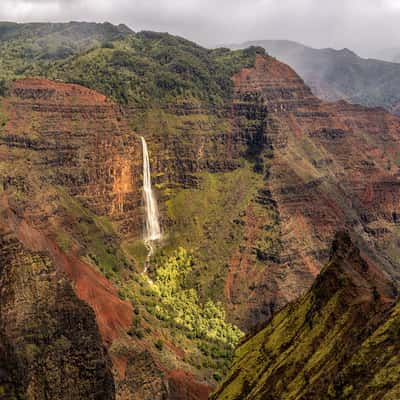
254,189
50,336
327,166
339,341
70,195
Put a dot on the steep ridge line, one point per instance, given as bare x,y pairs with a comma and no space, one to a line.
339,341
327,166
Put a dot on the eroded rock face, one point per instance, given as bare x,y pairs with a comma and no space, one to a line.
50,336
77,139
338,341
327,166
316,168
68,158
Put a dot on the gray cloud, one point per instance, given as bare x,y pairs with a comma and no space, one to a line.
366,26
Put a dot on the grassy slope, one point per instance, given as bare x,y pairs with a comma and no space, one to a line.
337,342
208,223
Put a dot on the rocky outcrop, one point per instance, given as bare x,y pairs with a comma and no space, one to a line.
339,341
326,166
76,139
51,346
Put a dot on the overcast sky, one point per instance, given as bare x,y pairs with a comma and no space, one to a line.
366,26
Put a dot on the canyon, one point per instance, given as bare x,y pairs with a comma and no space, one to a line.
253,179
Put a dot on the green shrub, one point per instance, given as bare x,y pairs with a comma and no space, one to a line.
159,345
3,87
108,45
217,376
139,333
182,306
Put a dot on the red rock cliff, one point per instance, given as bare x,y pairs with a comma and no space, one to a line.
327,166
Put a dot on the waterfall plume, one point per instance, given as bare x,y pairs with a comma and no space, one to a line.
152,228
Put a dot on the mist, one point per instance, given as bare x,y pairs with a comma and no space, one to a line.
369,27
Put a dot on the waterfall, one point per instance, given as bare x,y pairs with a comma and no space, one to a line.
153,230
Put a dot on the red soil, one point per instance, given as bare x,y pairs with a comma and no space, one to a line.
40,89
183,386
112,314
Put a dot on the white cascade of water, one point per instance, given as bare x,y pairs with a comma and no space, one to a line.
153,230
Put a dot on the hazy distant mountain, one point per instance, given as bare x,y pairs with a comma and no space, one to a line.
340,74
391,54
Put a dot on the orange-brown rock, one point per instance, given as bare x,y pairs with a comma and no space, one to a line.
69,160
327,166
79,140
48,335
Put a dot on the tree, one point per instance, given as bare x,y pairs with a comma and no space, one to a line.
3,87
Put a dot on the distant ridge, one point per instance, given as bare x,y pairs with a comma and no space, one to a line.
339,74
14,30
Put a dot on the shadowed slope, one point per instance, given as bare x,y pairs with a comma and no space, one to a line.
339,341
50,337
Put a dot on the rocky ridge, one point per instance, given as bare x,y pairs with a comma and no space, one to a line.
327,166
339,341
339,74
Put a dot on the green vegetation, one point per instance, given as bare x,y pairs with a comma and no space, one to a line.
168,306
215,210
140,68
3,87
156,119
182,307
3,118
159,345
156,68
325,345
95,234
29,49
